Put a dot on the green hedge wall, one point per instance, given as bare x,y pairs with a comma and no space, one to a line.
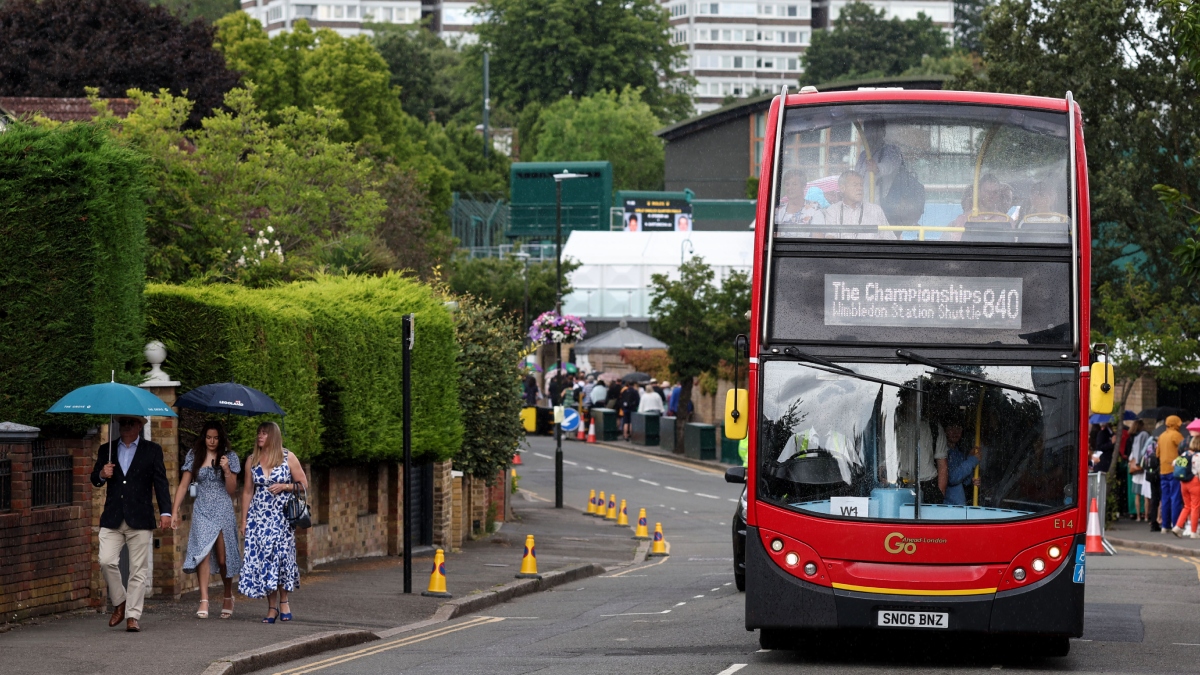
329,351
72,249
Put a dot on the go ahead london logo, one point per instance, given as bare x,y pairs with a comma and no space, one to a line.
896,543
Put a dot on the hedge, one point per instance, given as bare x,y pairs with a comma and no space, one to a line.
72,248
328,351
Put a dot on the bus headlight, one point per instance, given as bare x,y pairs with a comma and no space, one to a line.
791,559
1054,552
1039,565
777,545
1019,574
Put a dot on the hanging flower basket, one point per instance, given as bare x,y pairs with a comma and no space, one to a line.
550,327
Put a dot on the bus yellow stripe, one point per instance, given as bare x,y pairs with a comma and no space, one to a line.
909,591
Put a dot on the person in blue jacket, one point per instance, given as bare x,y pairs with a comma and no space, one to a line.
961,462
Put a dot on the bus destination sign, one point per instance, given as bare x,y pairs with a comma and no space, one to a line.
922,301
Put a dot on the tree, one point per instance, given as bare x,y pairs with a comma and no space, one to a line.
698,321
419,241
489,388
501,282
1139,105
968,24
1180,200
1147,334
209,10
58,47
423,66
460,149
543,50
865,44
242,198
309,69
605,126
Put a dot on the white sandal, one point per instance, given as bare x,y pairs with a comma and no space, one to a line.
226,613
202,613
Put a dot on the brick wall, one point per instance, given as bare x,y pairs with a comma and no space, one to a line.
443,505
358,518
46,552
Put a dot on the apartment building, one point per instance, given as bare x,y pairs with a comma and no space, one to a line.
743,47
451,20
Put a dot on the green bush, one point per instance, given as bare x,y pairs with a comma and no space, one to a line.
328,351
489,389
72,248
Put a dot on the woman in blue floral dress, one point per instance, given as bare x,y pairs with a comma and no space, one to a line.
213,539
269,568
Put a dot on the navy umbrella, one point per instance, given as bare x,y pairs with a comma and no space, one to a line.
229,398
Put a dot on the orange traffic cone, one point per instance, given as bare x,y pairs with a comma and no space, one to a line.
599,505
579,436
591,437
640,533
529,562
437,579
517,459
622,517
591,509
611,513
659,548
1095,540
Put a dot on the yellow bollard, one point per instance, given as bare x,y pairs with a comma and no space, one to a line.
640,533
437,579
659,548
622,517
611,513
529,561
591,509
600,506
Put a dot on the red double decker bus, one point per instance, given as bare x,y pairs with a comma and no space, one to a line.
918,368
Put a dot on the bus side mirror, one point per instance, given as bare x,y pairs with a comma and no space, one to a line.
1102,392
735,474
736,416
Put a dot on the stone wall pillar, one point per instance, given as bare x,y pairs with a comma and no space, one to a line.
170,546
443,504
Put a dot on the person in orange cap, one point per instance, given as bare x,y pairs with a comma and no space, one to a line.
1168,449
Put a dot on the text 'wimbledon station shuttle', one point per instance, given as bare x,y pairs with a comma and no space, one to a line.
923,301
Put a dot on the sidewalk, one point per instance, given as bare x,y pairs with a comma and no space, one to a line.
362,594
1138,535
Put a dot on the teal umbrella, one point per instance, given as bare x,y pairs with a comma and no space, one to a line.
113,399
571,368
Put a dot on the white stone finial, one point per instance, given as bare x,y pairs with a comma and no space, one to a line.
156,353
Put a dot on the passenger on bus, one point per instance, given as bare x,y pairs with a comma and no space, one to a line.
932,467
791,212
851,210
878,162
961,461
994,201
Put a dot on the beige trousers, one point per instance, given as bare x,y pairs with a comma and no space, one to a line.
139,542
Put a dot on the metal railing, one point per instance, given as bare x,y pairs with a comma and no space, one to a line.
52,475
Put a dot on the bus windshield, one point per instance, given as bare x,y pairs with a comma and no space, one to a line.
924,172
834,445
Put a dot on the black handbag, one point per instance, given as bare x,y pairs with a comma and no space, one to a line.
296,510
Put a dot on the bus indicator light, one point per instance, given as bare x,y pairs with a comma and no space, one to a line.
1054,552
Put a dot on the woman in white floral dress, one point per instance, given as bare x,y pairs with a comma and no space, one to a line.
213,539
269,567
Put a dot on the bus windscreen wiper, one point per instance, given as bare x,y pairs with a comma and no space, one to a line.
818,363
948,371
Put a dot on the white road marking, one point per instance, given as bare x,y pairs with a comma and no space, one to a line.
680,604
602,470
732,500
732,669
567,461
538,454
685,511
701,494
719,523
621,475
762,651
648,482
590,468
665,611
715,589
1186,644
672,508
697,596
685,467
675,489
727,583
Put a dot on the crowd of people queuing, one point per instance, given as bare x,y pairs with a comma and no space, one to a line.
1155,472
587,391
257,546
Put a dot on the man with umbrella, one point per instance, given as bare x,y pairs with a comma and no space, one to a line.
132,468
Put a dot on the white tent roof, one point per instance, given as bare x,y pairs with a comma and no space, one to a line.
719,249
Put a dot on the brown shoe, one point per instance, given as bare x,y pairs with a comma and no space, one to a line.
131,626
118,615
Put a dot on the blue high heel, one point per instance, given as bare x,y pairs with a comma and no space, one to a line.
282,615
268,618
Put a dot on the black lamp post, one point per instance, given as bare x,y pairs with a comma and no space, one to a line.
558,453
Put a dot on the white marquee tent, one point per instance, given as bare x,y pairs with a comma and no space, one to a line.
614,277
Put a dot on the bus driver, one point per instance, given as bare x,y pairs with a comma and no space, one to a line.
931,466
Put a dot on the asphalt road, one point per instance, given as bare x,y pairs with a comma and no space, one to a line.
682,614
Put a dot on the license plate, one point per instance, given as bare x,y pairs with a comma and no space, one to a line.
895,619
